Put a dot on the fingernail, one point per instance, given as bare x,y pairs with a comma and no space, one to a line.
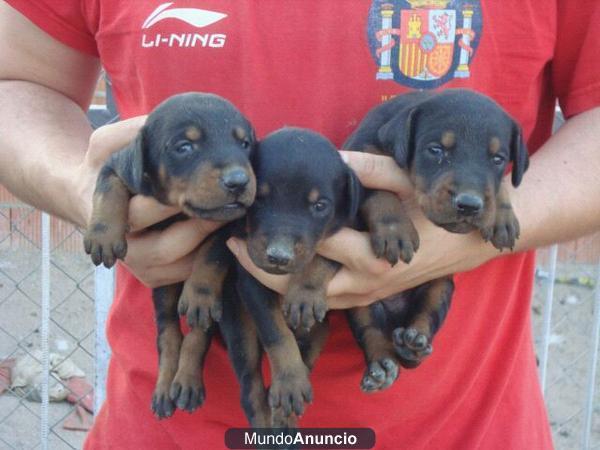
344,156
233,245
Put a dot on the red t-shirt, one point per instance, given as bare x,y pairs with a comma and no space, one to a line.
322,64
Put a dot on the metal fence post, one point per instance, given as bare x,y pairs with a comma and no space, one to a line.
45,330
104,279
104,286
547,319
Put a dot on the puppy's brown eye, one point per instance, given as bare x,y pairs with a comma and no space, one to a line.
436,150
320,206
245,143
184,148
498,159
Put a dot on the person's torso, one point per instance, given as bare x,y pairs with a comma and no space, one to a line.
323,64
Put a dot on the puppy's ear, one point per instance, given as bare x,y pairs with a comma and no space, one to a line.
136,175
397,136
253,141
253,156
354,194
518,155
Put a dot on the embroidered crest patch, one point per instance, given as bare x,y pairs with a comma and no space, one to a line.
424,43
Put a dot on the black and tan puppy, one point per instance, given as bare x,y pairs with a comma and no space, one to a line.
193,153
305,193
456,146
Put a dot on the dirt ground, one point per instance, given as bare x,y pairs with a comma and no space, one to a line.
72,334
570,351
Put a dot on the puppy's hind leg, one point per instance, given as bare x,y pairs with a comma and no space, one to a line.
290,387
245,352
382,364
187,389
169,344
312,341
429,305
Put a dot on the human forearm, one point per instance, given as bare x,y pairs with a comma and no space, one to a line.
559,198
43,139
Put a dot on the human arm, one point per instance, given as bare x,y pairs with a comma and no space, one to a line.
558,200
50,157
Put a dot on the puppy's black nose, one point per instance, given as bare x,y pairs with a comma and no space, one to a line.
468,204
279,255
235,180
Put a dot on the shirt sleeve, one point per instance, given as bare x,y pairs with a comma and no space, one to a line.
576,64
64,20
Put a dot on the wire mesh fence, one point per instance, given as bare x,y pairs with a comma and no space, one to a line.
70,332
571,385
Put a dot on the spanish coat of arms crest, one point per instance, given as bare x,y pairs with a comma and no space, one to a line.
424,43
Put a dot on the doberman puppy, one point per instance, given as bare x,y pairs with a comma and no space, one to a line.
193,152
455,145
305,193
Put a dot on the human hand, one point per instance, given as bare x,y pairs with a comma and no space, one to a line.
363,278
156,258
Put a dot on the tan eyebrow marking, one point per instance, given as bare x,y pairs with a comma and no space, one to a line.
239,133
494,145
193,133
448,139
313,195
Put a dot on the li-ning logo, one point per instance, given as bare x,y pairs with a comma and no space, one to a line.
195,17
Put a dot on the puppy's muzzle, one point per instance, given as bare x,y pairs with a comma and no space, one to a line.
468,204
235,180
280,253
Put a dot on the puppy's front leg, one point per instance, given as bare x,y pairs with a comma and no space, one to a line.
104,238
305,301
505,229
393,235
200,299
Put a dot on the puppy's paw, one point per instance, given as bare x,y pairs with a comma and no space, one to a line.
200,304
304,305
394,239
505,230
380,375
162,405
105,243
411,346
280,420
289,392
187,392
